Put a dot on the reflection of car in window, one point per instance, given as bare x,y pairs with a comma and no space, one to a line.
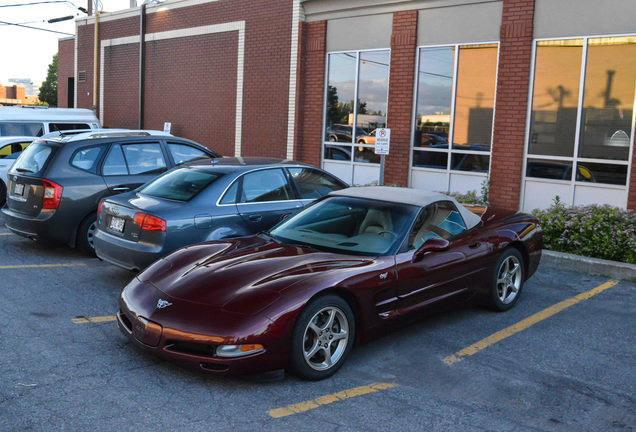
429,140
460,161
337,153
558,171
367,139
342,133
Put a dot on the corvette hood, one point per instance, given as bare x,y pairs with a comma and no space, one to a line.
251,269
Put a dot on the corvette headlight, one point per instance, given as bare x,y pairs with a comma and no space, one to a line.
238,350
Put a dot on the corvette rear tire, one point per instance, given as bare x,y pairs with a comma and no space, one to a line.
322,338
507,280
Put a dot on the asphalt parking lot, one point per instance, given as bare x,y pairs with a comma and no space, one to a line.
562,359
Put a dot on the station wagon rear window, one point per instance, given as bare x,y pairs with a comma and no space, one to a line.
32,160
181,184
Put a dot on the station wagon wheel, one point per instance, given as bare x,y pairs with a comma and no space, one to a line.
85,234
3,193
507,280
322,338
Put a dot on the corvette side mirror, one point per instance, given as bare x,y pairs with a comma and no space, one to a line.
430,245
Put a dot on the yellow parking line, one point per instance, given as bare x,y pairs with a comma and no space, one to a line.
1,234
93,319
324,400
522,325
40,266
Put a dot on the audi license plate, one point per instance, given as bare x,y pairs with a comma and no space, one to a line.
18,189
116,225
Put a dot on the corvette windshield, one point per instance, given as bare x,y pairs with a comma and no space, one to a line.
348,225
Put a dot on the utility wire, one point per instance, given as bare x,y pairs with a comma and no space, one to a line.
36,28
34,3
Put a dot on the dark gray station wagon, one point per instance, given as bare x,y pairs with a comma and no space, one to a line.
57,183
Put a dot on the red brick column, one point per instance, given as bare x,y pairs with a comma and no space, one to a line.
65,70
512,101
400,109
309,103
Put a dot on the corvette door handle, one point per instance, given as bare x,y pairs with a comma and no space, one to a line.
474,245
256,217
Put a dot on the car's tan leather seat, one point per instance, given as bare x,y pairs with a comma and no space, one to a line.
375,222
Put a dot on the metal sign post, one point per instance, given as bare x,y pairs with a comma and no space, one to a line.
382,142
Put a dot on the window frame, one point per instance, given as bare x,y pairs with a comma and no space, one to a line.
351,145
574,159
105,149
162,148
450,151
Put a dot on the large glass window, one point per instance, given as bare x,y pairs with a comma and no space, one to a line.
455,103
357,99
584,131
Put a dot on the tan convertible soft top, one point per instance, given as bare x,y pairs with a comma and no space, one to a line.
407,196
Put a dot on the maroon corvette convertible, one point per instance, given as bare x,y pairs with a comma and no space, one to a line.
342,271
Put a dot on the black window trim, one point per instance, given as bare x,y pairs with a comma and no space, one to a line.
153,140
99,163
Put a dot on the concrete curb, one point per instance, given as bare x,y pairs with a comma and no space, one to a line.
592,266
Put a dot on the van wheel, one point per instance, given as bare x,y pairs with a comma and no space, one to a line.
85,235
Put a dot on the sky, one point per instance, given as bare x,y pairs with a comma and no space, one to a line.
26,52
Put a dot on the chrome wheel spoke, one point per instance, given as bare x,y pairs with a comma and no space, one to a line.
514,270
339,336
312,352
332,316
327,361
314,328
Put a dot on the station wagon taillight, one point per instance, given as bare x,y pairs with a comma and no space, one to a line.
149,223
52,194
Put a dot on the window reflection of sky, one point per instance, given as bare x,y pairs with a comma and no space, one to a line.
435,76
373,79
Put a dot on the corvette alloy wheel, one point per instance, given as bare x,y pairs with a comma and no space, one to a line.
322,338
326,338
508,280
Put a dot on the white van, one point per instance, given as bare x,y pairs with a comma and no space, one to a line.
39,120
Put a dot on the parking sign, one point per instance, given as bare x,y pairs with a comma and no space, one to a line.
382,141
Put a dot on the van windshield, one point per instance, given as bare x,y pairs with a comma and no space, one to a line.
33,159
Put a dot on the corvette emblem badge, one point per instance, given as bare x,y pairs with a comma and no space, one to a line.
163,304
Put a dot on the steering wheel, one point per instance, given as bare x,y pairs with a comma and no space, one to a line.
390,233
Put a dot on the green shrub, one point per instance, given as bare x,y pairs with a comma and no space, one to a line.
597,231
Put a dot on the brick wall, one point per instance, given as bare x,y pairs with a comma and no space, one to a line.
512,100
121,87
210,62
191,81
401,82
65,70
311,92
85,37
